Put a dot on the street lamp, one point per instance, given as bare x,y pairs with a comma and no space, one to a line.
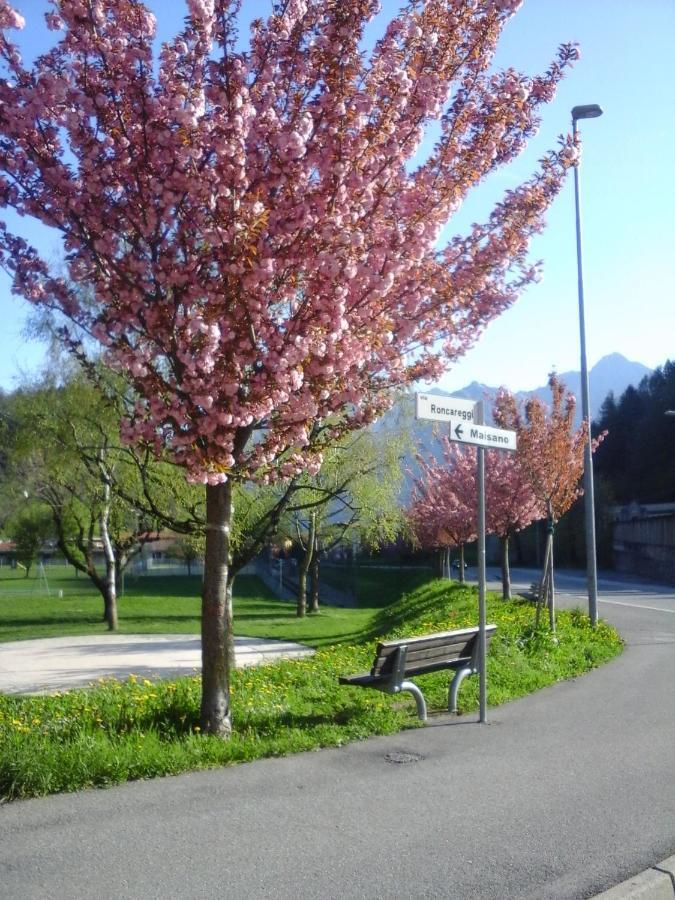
589,111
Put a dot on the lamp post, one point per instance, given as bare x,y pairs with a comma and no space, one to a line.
590,111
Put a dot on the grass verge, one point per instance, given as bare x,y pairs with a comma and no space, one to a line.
160,604
375,586
117,732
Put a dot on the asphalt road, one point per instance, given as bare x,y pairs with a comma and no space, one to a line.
563,794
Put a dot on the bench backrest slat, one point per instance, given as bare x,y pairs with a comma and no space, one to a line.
430,651
427,654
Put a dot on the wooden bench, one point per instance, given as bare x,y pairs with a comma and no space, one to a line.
396,661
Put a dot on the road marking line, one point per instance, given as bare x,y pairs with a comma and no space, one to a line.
637,606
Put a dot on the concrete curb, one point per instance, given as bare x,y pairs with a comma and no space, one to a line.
657,883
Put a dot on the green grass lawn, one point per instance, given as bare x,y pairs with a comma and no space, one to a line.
116,732
375,586
160,604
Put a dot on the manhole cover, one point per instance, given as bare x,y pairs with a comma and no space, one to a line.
402,757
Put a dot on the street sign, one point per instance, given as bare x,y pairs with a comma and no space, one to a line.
466,426
443,409
482,436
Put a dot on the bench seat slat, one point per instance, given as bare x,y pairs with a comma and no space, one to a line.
436,665
363,679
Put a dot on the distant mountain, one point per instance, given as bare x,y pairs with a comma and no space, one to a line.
612,373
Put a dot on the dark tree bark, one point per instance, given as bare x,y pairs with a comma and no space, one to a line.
462,573
303,568
506,571
217,641
551,588
547,585
314,579
546,594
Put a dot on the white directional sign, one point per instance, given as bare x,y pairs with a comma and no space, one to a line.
482,435
459,413
443,409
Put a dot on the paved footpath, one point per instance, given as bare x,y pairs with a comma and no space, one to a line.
51,664
562,795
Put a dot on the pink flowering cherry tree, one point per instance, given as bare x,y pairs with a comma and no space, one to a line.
261,258
442,512
551,454
511,504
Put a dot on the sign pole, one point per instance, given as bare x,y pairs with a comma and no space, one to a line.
467,425
480,480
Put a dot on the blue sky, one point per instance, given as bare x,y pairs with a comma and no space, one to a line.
628,195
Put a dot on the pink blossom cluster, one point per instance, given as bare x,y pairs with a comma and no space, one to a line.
259,258
443,510
550,448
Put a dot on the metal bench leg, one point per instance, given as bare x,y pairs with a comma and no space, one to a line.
460,675
419,698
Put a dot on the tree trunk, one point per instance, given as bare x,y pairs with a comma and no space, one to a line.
551,588
110,603
217,614
445,563
229,634
119,568
305,563
440,562
314,580
462,574
110,592
542,596
506,572
86,548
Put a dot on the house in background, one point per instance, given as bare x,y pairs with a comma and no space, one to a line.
158,555
6,553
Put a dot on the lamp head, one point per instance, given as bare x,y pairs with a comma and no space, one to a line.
589,111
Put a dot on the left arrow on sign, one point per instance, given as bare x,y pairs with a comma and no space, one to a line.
459,431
